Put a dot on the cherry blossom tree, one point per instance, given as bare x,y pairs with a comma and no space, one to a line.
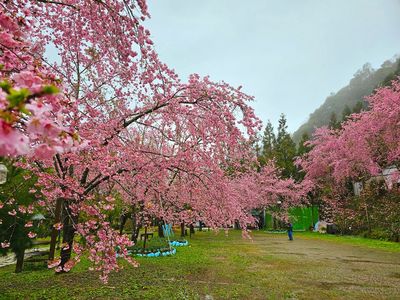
366,144
122,100
108,117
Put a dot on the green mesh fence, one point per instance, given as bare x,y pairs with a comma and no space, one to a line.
302,218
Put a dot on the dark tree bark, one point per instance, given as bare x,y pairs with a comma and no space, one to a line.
54,231
183,233
135,227
20,260
145,237
237,225
160,229
137,222
58,240
191,230
123,219
135,234
69,232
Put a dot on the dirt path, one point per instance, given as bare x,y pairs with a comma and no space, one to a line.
10,259
326,265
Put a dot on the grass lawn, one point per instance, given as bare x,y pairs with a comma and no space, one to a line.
313,266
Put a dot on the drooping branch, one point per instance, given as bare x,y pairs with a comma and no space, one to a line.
84,176
140,115
90,187
58,3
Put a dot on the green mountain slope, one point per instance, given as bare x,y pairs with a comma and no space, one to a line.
362,84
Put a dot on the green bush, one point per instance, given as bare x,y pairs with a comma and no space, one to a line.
378,234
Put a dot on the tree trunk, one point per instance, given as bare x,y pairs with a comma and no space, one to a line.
137,232
237,224
135,228
182,229
20,260
69,232
123,220
160,229
54,231
260,222
145,237
191,230
58,240
200,226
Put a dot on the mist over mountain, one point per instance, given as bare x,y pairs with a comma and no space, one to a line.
337,105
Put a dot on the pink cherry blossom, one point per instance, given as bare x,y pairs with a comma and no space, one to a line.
32,235
5,244
28,224
58,226
12,212
53,264
22,209
28,80
11,141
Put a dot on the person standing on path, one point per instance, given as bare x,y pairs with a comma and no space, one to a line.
290,231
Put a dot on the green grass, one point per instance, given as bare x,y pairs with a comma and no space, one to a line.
152,244
229,267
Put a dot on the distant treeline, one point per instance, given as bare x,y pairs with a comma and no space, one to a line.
350,98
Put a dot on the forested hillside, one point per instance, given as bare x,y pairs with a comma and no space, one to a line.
346,99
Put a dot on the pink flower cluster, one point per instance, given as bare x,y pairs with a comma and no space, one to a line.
27,96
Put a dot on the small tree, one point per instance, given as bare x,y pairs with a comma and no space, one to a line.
285,150
16,212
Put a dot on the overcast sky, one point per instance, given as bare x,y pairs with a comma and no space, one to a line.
289,54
